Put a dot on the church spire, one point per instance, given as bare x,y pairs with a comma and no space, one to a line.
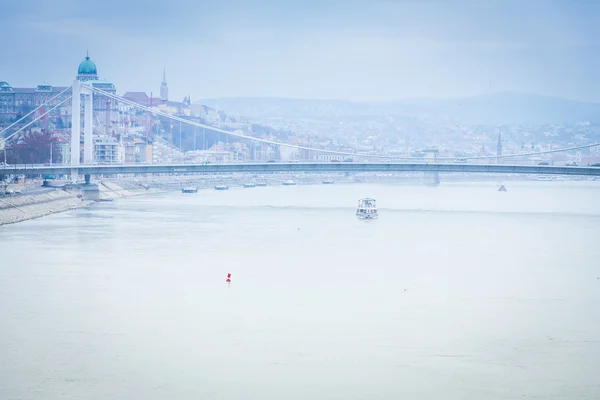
164,89
499,146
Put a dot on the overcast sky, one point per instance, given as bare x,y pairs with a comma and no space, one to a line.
343,49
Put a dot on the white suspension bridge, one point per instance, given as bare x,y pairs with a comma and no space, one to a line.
83,92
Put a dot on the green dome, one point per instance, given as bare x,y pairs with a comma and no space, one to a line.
5,87
87,67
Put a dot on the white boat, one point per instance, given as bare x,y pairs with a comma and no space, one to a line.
367,209
328,182
249,185
189,190
289,183
221,187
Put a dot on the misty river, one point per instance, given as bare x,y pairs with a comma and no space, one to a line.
456,292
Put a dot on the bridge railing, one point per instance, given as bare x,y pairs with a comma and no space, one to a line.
232,162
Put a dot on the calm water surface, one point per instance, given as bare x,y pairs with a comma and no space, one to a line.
456,292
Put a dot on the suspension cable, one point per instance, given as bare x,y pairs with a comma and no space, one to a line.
35,120
218,130
242,136
587,146
22,118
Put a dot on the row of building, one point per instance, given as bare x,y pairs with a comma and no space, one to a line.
121,133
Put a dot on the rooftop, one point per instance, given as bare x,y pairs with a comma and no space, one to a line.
87,67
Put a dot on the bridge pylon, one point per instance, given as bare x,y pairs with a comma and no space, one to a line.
88,141
431,178
75,129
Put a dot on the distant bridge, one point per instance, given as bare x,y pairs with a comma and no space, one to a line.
83,92
311,167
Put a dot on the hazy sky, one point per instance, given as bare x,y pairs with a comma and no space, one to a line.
345,49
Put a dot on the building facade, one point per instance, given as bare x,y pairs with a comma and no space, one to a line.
88,72
16,102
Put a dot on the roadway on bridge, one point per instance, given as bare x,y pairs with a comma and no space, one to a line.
302,167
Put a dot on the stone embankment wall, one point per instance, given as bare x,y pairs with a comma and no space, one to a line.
113,191
23,207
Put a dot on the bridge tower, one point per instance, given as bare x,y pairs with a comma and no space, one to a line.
432,152
75,129
78,90
86,73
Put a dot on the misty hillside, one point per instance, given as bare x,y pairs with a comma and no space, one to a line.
498,108
266,107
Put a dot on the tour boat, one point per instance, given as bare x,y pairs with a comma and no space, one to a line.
367,209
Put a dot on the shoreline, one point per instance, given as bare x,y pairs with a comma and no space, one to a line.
55,200
25,207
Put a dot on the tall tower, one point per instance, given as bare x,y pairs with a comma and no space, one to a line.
499,148
164,89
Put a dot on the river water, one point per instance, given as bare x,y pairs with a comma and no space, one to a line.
456,292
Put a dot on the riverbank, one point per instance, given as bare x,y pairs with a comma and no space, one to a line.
35,201
24,207
109,190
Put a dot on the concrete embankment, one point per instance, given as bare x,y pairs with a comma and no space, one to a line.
108,190
23,207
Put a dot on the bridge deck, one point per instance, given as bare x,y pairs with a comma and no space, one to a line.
266,168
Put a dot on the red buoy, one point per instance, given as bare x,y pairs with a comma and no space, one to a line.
228,280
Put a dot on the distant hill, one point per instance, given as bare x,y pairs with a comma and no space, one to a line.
265,107
497,108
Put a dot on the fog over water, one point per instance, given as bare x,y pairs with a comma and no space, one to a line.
456,292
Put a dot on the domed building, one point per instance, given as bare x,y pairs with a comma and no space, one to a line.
7,101
87,70
5,87
16,101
